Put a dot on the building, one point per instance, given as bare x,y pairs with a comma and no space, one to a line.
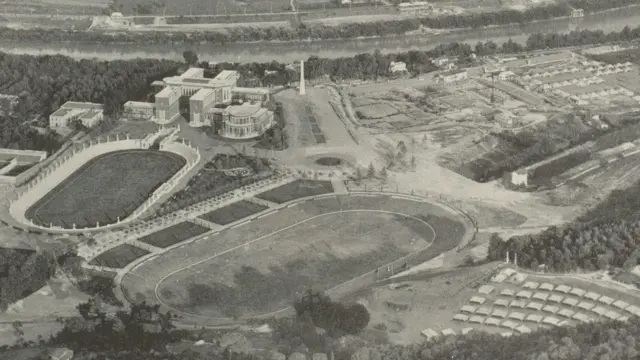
506,75
442,60
577,13
8,103
449,77
168,104
415,7
61,354
520,178
200,104
245,121
397,67
91,118
261,95
72,111
137,110
548,59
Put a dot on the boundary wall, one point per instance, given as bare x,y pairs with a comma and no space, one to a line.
59,170
375,275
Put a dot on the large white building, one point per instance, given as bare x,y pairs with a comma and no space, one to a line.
88,113
245,121
205,94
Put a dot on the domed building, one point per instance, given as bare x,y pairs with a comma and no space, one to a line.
245,121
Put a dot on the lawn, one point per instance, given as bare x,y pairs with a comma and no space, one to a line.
174,234
19,169
295,190
107,187
119,256
259,267
230,213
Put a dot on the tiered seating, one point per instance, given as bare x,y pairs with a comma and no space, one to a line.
550,309
546,287
524,294
585,305
530,285
577,292
541,296
477,300
448,332
563,289
535,306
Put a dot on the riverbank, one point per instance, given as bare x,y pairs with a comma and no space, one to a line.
286,52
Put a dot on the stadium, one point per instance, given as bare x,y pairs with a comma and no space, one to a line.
104,183
279,243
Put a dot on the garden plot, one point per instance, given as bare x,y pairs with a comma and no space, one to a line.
376,111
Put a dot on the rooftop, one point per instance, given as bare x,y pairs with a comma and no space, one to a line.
201,94
577,90
192,72
243,90
196,80
243,110
226,75
139,104
538,60
90,114
166,92
565,76
63,112
81,105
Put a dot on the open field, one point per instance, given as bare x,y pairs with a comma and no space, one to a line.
107,187
174,234
119,256
230,213
259,267
295,190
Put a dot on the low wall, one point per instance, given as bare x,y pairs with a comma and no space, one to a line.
61,169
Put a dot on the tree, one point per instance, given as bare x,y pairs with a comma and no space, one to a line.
371,171
383,173
413,162
18,330
190,57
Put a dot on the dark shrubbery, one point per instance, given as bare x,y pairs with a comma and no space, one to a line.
332,316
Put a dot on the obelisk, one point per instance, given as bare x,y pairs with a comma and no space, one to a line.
302,89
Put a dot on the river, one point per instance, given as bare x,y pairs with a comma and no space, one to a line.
609,21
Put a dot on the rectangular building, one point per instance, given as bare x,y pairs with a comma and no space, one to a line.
200,103
91,118
193,72
64,117
168,104
416,7
228,76
137,110
452,76
251,94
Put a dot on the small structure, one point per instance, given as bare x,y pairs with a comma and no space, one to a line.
138,110
520,178
506,75
415,7
449,77
397,67
577,13
72,111
61,354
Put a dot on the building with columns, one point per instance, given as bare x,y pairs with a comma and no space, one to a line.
208,98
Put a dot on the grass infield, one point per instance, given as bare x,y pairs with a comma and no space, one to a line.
230,213
174,234
106,187
295,190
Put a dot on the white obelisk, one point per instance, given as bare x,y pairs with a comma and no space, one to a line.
302,89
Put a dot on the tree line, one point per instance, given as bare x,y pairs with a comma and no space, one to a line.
606,236
306,31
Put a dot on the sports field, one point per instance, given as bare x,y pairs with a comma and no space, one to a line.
295,190
258,268
108,186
